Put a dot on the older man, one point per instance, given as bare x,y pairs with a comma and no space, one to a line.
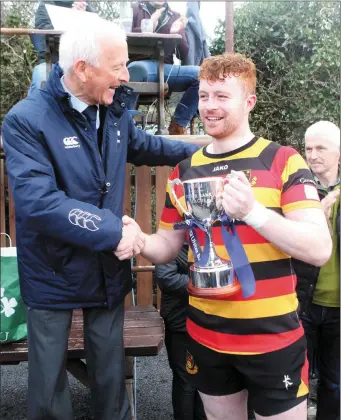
66,148
319,289
247,345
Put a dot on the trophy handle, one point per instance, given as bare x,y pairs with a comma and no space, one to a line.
177,181
225,180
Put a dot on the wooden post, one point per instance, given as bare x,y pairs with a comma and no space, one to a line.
161,103
229,27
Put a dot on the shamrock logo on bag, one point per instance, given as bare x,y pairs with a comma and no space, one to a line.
7,305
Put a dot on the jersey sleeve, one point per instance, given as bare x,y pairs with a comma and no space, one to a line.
172,212
298,186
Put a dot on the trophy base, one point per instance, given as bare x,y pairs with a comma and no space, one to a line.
215,282
220,293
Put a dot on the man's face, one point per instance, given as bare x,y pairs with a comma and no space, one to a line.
224,106
102,80
322,155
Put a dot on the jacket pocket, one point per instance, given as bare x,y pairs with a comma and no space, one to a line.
59,254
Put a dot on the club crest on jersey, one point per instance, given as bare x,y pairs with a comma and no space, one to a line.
252,179
191,367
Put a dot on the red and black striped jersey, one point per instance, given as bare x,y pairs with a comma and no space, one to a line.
266,321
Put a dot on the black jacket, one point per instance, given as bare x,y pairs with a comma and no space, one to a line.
172,278
43,21
307,274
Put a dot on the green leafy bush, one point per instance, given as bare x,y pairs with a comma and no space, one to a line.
296,48
17,54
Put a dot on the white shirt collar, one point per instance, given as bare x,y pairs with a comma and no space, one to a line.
77,104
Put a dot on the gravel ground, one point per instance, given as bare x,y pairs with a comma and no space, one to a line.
153,391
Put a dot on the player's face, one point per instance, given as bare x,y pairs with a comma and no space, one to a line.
224,106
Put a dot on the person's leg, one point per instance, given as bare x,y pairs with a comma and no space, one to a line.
328,391
184,79
220,385
277,382
49,396
141,71
231,407
184,396
179,79
38,76
310,323
104,347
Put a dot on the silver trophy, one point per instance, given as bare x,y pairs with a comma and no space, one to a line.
214,277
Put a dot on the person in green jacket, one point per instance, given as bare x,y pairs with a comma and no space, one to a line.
321,317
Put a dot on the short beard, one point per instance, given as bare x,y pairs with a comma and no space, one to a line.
226,131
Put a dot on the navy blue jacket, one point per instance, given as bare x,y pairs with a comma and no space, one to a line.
69,197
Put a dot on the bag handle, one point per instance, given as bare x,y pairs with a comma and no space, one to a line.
10,240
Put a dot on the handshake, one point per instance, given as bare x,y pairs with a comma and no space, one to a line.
132,242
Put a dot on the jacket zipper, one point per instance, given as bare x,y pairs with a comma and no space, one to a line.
97,152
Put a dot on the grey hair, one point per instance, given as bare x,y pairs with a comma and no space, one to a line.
84,42
327,130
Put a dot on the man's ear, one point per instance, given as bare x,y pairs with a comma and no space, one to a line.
81,69
251,102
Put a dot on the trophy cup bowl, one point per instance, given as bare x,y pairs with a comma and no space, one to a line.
216,277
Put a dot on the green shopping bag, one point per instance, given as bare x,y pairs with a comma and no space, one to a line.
13,325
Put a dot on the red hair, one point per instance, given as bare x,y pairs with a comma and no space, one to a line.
219,67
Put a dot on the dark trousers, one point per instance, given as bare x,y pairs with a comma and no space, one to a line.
49,396
187,404
322,330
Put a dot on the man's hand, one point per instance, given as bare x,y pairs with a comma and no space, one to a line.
79,5
328,201
237,198
132,241
178,25
156,16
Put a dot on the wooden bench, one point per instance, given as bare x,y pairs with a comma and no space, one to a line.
147,88
143,336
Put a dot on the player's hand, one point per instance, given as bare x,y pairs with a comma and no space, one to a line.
132,241
237,198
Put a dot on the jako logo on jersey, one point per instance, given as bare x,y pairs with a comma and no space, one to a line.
220,168
83,219
71,142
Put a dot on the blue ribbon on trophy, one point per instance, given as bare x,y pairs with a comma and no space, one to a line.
238,256
189,224
200,199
